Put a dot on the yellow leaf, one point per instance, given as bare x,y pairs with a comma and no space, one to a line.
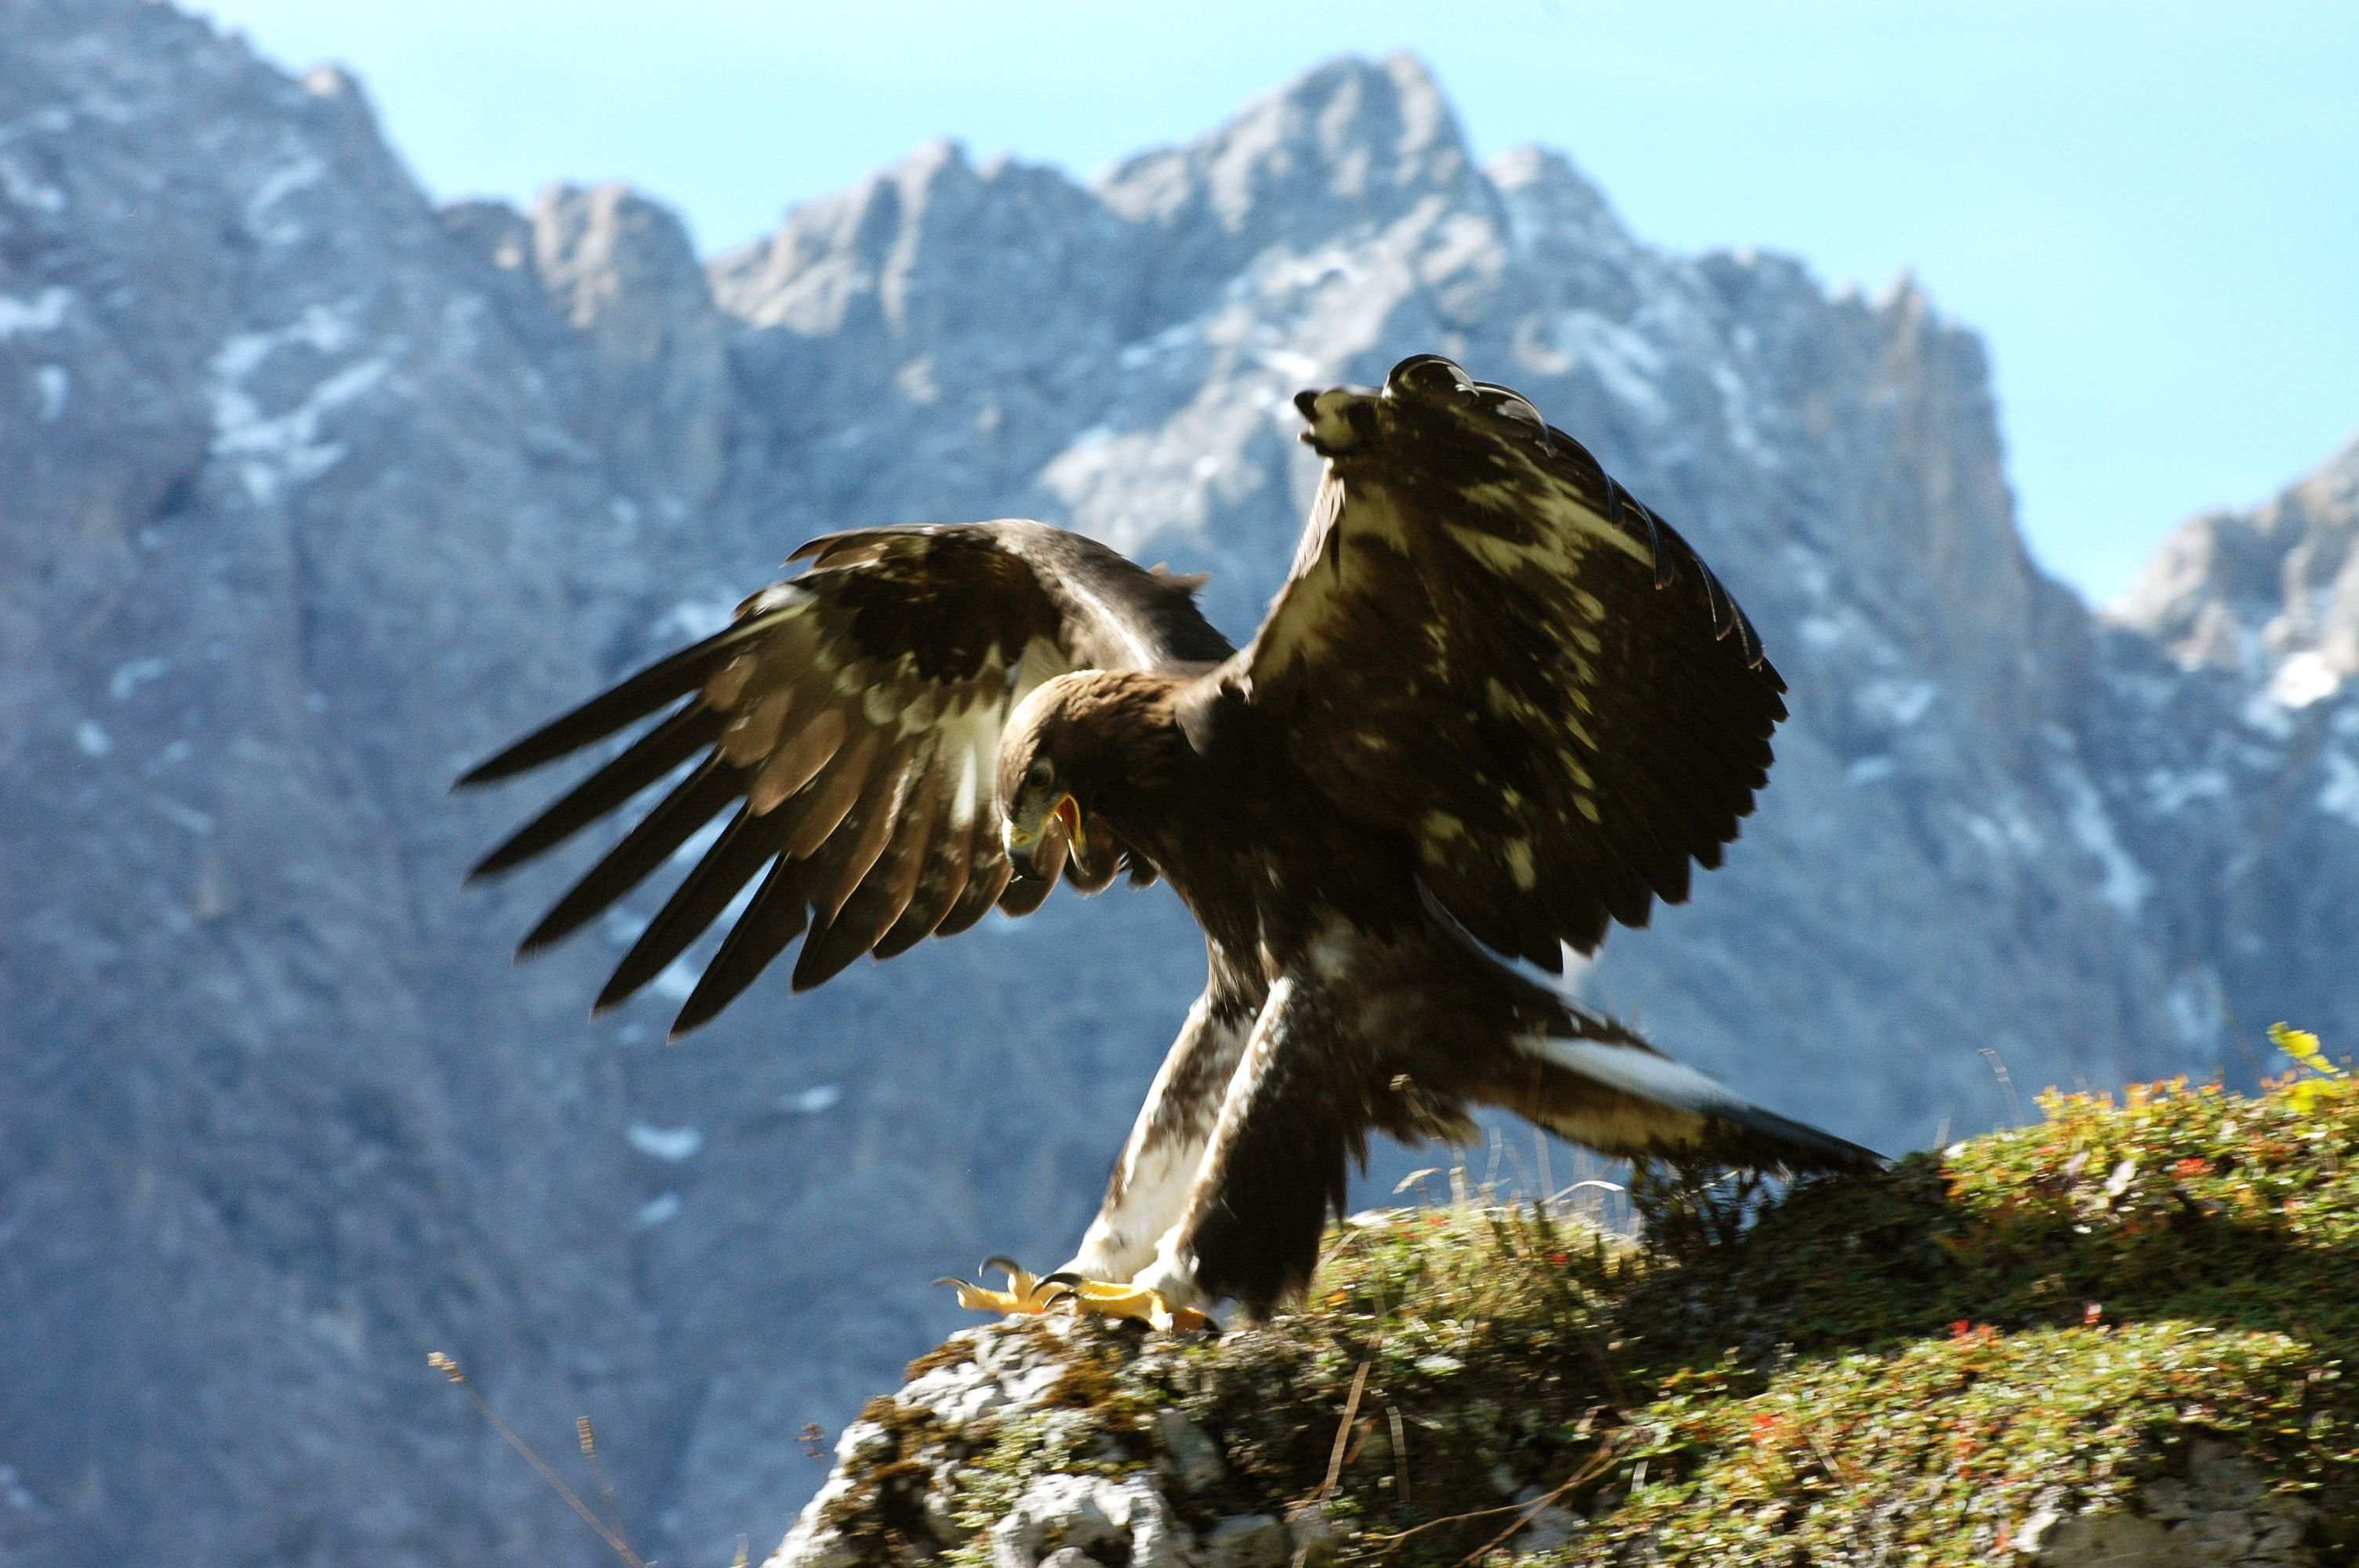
2303,1046
2299,1043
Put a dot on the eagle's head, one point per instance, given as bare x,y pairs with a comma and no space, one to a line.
1080,760
1426,402
1037,761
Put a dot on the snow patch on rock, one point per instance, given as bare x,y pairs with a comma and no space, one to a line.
2303,679
670,1144
2125,884
43,312
2340,797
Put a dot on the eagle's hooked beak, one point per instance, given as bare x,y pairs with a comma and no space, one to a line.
1025,840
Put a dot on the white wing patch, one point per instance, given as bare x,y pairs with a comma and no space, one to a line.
1333,951
1676,1099
777,596
974,741
970,742
1042,662
1635,1071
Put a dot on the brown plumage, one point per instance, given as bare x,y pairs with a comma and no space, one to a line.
850,720
1499,703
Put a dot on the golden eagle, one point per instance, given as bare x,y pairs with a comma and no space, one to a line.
1498,703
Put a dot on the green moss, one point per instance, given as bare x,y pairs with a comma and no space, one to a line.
880,1511
1903,1367
1037,1442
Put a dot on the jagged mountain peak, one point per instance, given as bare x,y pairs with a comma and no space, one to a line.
596,244
2270,592
1342,152
1375,136
1547,195
890,242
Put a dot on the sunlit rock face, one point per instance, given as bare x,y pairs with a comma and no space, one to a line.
311,492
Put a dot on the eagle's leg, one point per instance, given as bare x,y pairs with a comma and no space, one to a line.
1274,1166
1151,1179
1149,1185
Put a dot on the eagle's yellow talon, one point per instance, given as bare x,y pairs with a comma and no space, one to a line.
1026,1293
1032,1294
1097,1298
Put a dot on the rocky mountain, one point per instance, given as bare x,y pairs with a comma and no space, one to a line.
2271,594
311,492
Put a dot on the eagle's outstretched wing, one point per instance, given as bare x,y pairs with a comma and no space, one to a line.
1489,646
850,720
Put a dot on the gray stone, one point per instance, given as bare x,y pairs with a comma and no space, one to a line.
1316,1537
811,1544
2115,1541
1549,1527
942,1512
1247,1540
2219,1513
955,1395
1122,1521
1189,1455
2033,1535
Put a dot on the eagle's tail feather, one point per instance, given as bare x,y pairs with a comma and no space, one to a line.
1610,1090
1754,1136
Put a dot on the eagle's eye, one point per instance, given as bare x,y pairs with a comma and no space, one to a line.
1039,775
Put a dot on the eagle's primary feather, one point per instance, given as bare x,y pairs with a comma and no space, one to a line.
1499,703
852,719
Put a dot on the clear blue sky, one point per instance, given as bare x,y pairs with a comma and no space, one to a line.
2150,209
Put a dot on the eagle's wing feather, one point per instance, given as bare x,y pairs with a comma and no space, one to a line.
849,720
1490,647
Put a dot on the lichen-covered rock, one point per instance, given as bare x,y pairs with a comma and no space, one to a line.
2221,1513
1115,1522
1247,1540
1191,1460
815,1541
966,1435
2103,1342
